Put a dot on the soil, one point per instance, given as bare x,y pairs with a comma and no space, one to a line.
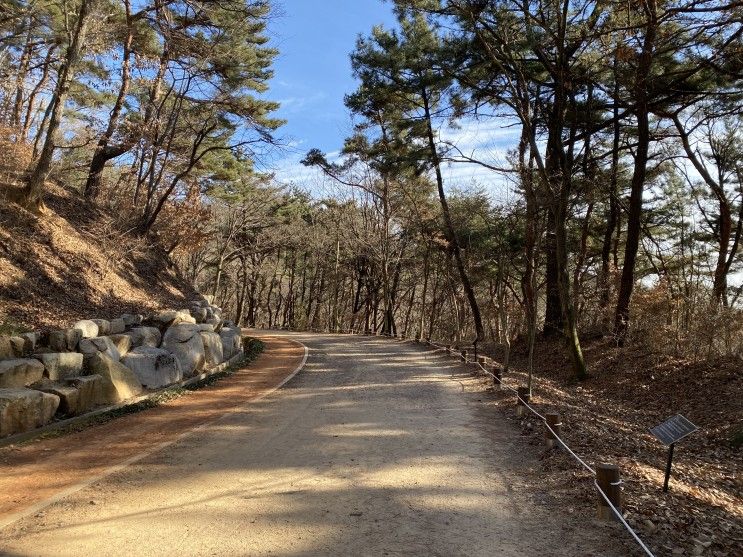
73,262
606,419
34,472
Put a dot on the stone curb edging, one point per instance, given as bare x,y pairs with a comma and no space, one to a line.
33,434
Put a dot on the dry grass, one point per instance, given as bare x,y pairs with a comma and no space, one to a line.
75,261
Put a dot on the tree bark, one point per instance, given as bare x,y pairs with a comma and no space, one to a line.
33,193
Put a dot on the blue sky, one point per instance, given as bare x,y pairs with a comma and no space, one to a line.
313,70
313,73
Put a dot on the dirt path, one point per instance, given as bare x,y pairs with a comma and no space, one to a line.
376,448
31,474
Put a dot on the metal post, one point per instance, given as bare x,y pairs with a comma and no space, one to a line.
668,468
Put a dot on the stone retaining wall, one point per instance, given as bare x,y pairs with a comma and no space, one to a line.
50,375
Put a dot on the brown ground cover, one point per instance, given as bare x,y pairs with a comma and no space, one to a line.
74,262
606,419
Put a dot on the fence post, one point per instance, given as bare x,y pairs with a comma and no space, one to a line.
553,420
448,349
607,476
464,355
481,360
498,376
523,396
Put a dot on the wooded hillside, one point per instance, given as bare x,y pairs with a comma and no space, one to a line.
627,170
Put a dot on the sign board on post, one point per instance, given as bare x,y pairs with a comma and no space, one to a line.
669,433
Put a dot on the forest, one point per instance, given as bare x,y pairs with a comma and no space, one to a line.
625,217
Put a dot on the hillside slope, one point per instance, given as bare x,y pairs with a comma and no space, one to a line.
74,262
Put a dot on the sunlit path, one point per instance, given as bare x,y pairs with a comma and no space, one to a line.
376,448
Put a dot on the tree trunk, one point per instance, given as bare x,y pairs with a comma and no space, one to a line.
33,193
634,217
466,284
104,152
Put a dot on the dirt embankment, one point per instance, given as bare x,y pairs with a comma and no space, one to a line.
74,262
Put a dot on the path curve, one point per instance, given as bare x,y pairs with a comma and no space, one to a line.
34,475
377,448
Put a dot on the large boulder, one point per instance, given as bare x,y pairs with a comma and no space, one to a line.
154,367
90,390
92,346
231,342
213,351
88,328
184,342
165,319
122,342
145,336
20,372
65,340
117,326
216,324
118,382
61,365
69,396
104,326
25,409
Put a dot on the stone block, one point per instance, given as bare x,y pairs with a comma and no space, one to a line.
65,340
87,327
104,326
145,336
122,342
20,372
184,342
154,367
118,382
165,319
61,365
231,342
69,396
21,346
213,351
132,320
117,326
32,339
199,314
7,352
91,346
25,409
90,389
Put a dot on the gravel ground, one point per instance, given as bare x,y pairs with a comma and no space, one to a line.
376,448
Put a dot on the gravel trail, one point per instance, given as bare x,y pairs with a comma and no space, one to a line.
375,448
